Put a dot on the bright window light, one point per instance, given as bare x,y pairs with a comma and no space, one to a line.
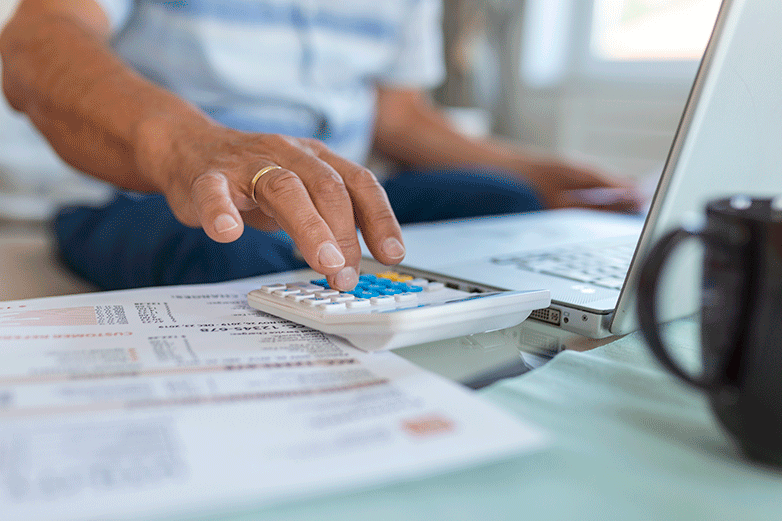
651,30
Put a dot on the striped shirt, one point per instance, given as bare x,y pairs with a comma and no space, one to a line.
304,68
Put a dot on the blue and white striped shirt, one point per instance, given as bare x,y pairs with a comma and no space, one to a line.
305,68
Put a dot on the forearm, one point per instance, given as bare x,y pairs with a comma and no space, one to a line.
410,130
420,135
90,106
106,120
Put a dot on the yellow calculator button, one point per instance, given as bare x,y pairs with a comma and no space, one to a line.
394,276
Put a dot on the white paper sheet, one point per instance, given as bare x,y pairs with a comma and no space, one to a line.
173,401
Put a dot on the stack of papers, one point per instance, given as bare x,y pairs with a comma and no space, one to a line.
181,400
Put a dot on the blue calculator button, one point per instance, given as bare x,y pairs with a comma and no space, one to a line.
367,277
414,289
320,282
375,287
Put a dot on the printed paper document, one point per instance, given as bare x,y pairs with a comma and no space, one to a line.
164,402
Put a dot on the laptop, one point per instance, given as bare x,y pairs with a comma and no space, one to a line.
729,141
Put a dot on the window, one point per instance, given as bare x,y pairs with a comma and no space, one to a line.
636,40
658,30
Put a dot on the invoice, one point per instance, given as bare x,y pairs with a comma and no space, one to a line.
177,400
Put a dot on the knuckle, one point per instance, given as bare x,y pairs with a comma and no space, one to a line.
383,217
278,183
205,182
274,140
350,248
291,147
312,145
206,189
361,178
311,227
329,184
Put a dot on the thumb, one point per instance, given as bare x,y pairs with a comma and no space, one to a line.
215,208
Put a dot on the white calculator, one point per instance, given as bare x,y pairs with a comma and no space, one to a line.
398,308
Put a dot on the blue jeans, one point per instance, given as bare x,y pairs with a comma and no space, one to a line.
136,241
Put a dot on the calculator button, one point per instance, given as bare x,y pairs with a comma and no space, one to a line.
320,282
406,297
418,282
382,301
331,307
358,304
415,289
344,297
298,297
314,302
305,287
327,293
434,286
286,292
394,276
272,287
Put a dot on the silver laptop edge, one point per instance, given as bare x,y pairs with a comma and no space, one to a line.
728,137
623,320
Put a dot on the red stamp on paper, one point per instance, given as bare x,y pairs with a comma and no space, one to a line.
428,425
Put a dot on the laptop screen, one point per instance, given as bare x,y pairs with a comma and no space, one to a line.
727,142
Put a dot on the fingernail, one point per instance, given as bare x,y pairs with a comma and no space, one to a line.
346,279
330,257
225,222
393,248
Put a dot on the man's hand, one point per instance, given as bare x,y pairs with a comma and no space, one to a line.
316,196
411,130
107,121
564,184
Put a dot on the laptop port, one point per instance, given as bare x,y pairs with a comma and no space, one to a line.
548,315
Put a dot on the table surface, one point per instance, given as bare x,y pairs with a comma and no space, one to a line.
628,441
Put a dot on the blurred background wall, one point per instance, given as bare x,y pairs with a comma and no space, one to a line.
601,79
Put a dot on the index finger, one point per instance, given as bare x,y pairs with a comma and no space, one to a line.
282,195
374,214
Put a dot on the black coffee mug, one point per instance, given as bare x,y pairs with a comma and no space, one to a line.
741,321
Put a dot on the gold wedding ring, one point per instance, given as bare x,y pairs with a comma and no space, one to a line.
260,173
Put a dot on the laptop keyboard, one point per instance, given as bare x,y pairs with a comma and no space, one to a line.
604,265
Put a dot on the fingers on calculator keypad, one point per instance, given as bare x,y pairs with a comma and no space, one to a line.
372,291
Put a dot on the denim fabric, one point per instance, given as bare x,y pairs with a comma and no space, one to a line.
438,195
137,242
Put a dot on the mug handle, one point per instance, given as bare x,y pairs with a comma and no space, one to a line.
647,308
